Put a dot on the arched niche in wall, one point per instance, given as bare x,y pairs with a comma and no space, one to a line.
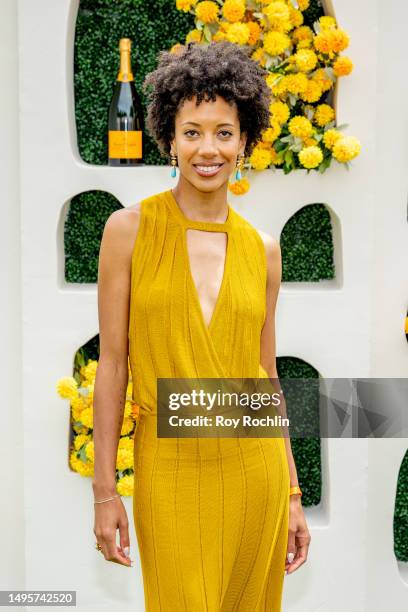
306,451
85,218
400,525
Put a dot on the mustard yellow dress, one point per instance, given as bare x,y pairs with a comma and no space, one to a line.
210,514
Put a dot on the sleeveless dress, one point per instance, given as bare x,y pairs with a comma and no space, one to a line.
210,514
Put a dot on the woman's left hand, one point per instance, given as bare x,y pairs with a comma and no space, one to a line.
299,536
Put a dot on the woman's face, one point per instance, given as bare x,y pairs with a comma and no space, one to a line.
205,136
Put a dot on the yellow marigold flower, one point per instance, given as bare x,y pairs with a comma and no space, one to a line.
126,442
312,93
77,405
300,126
67,387
207,11
304,44
324,114
340,40
303,4
276,160
260,158
327,22
127,426
342,66
310,157
124,459
254,32
125,485
276,43
296,17
270,134
296,83
86,417
90,395
128,409
239,187
185,5
89,370
234,10
177,48
258,56
238,33
330,137
280,112
73,460
277,13
90,451
80,440
324,41
322,79
219,35
346,148
309,142
194,36
304,32
84,468
306,59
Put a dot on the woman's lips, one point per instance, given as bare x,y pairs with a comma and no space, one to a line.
207,172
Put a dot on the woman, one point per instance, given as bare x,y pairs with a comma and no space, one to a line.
192,286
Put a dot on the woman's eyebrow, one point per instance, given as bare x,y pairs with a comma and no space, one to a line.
218,124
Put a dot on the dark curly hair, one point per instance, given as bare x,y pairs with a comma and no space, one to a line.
196,69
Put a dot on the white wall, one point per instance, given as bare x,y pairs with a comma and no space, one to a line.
349,327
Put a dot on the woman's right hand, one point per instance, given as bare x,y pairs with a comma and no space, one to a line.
110,516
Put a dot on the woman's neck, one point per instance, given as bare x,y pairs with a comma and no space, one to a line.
209,206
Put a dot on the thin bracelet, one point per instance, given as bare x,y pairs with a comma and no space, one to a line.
104,500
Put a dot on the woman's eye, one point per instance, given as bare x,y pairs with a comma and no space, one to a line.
189,131
221,132
226,132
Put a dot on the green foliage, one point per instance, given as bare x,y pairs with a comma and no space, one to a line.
152,26
401,513
307,245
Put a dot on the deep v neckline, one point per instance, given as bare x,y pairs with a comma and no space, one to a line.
209,226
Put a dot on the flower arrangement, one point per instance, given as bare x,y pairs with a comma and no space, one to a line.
303,65
79,390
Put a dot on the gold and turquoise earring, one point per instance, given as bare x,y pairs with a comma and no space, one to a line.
173,159
240,163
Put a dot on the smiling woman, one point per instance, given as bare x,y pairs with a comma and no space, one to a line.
197,298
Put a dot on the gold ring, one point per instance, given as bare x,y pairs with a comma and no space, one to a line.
98,546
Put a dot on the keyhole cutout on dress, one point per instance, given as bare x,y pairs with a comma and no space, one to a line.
207,254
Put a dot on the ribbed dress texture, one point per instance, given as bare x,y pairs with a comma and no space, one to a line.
211,514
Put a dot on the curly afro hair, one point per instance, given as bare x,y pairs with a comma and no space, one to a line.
217,68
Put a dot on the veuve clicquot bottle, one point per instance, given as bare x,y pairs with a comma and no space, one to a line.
126,125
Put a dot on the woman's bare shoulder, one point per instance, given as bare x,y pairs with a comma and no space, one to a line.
122,227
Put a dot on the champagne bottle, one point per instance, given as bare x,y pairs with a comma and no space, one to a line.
126,124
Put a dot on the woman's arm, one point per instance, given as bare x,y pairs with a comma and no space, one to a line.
268,341
112,372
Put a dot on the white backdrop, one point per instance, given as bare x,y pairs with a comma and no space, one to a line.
351,326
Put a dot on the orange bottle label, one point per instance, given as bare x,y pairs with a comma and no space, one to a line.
125,144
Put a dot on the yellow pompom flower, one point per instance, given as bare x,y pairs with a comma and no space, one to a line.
239,187
342,66
128,409
185,5
296,17
127,426
296,83
90,451
322,79
125,485
330,137
310,157
126,442
177,48
327,22
86,417
324,41
303,4
219,35
260,158
233,10
270,134
304,32
85,468
324,114
300,126
310,142
276,159
88,371
67,387
280,112
254,32
304,44
207,11
258,56
312,93
77,405
194,36
340,40
346,148
80,440
124,459
306,59
277,13
238,33
276,43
